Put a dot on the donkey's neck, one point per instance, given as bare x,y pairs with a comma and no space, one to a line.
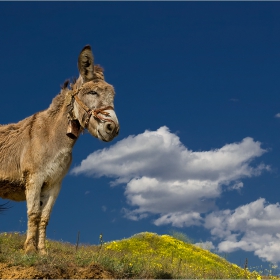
58,121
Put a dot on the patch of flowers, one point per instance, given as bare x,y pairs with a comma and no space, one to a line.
166,254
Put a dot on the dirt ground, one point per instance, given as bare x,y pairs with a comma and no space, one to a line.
92,271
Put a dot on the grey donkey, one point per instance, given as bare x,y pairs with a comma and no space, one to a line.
36,153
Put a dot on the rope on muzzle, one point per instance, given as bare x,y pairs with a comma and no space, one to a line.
73,129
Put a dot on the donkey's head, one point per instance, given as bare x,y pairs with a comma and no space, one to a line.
93,99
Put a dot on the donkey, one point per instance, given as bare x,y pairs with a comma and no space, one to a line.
36,153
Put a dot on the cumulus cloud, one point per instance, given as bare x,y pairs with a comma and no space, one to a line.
166,179
180,219
252,227
208,245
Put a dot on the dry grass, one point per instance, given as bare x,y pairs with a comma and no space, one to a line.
145,255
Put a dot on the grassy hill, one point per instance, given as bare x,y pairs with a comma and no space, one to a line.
145,255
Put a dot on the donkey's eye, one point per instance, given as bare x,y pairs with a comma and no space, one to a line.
93,92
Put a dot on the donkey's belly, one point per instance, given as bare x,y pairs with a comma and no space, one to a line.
14,190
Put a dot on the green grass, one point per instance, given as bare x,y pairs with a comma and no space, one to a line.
145,255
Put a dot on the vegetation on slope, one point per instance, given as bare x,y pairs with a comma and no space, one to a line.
145,255
167,257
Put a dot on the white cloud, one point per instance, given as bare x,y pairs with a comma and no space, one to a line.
208,245
179,219
165,178
252,227
236,186
160,154
277,115
156,196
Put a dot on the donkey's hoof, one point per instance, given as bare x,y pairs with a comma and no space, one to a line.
29,247
30,250
43,252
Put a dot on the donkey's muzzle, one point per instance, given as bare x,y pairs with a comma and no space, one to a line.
111,128
109,131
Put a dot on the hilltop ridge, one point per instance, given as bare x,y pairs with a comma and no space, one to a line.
144,255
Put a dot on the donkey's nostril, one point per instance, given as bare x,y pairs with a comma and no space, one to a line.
109,127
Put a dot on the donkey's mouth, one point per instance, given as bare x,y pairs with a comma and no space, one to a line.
100,136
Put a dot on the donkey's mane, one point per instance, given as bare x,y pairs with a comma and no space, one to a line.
57,102
13,129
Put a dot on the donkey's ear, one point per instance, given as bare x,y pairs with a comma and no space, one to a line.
85,64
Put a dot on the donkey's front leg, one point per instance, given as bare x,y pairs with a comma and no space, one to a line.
47,200
32,193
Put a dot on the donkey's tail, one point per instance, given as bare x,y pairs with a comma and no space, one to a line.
5,206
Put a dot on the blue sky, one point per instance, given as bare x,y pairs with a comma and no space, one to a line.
197,97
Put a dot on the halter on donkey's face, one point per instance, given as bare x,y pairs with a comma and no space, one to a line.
86,69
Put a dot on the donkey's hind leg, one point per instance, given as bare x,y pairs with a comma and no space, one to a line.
47,200
32,192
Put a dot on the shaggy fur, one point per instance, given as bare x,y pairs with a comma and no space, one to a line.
36,153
